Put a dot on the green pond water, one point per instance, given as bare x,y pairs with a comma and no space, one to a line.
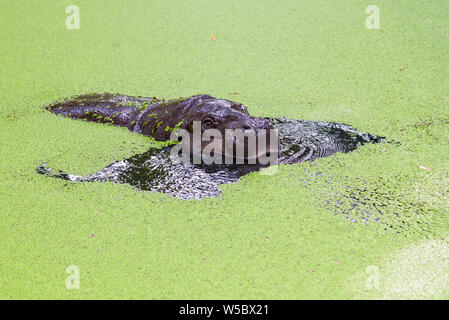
289,234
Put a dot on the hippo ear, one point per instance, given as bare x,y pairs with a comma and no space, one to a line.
239,107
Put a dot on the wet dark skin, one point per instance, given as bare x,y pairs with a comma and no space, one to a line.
158,118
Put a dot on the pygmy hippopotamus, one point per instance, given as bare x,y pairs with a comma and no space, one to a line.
159,118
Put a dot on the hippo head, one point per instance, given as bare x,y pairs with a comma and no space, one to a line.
246,136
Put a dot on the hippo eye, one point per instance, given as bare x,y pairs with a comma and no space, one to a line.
208,123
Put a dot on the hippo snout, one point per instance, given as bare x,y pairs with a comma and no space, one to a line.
257,139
